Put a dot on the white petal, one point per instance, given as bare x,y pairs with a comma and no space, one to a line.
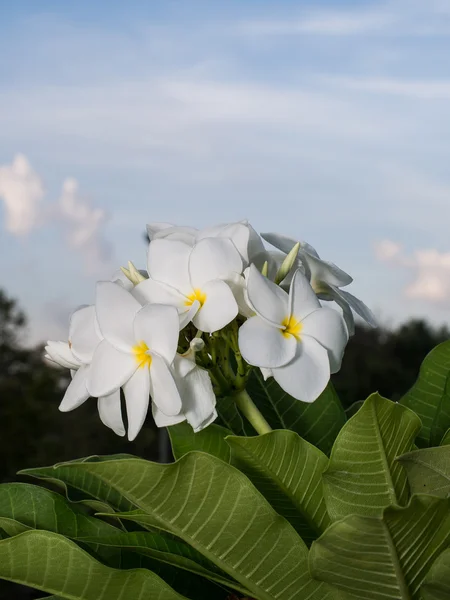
110,412
346,310
219,308
238,233
163,420
307,375
266,373
321,270
196,392
116,309
77,393
187,235
327,327
156,292
187,316
238,286
61,354
158,326
109,370
168,262
83,333
154,228
285,244
213,258
120,278
267,299
358,306
137,396
302,298
163,387
255,246
263,345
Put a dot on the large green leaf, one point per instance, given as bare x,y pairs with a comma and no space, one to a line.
52,563
428,470
372,558
215,509
318,422
167,549
429,397
210,440
63,476
363,476
437,583
40,508
287,470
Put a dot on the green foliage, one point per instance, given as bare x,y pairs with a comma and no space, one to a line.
430,396
318,423
288,472
386,557
210,440
437,583
363,476
428,470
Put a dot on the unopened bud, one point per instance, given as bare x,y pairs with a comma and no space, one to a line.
265,269
287,264
132,273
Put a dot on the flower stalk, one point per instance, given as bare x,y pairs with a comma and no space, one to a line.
251,412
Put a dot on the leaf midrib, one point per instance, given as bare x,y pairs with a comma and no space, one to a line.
392,491
261,593
291,497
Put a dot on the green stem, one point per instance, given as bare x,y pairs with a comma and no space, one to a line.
251,412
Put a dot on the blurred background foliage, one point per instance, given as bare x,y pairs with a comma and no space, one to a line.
34,433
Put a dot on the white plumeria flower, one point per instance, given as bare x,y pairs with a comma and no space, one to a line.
244,237
84,337
196,391
292,335
326,279
193,280
139,345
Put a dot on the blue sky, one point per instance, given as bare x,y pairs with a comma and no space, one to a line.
327,121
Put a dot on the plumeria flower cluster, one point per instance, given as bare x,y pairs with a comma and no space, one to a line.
212,305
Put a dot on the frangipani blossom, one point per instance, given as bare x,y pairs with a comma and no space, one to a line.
248,243
292,335
326,279
76,355
196,391
192,279
138,348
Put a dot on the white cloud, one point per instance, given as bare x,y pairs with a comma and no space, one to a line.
22,190
430,270
427,89
84,225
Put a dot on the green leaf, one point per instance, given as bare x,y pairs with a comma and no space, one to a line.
64,476
437,583
209,440
40,508
216,510
167,549
230,417
318,422
12,527
383,558
288,472
52,563
428,470
363,476
429,397
446,439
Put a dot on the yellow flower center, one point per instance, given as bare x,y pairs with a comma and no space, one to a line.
197,294
140,351
293,327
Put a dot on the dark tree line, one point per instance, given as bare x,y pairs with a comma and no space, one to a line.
34,433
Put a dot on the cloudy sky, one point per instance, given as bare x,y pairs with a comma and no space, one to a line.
328,121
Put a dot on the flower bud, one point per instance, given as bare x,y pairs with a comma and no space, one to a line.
287,263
